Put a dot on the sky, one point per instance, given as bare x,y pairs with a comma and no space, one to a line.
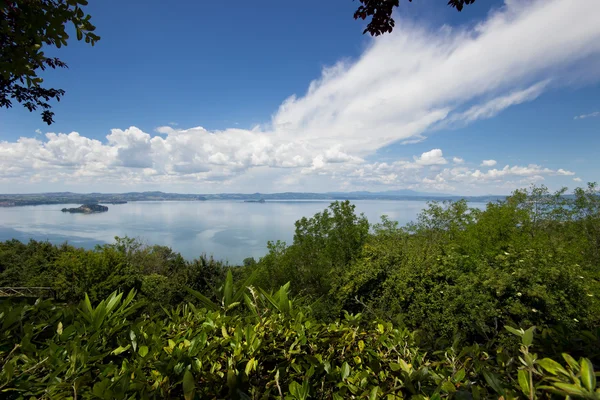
263,96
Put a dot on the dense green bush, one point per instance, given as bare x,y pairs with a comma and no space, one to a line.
269,350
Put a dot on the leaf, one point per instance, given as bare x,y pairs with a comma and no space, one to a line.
143,351
373,394
518,332
552,366
189,387
493,381
570,389
361,345
345,370
460,375
448,387
250,366
206,302
228,289
587,374
524,382
59,329
528,336
571,361
120,350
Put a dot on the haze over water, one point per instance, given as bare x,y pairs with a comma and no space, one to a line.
228,230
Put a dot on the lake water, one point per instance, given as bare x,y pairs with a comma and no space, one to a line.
228,230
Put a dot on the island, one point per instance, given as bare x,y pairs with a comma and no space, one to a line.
86,209
254,201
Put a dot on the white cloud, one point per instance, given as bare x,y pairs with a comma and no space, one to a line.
432,157
403,86
577,179
38,131
488,163
458,160
590,115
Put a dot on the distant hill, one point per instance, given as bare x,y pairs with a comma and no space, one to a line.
12,200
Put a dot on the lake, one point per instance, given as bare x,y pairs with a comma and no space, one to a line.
228,230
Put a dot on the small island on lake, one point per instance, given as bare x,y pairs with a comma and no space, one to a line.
86,209
254,201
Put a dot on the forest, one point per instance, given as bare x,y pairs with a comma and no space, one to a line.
463,303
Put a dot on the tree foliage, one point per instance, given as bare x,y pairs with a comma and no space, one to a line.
27,27
381,11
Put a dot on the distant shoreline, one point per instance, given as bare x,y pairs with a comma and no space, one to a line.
34,199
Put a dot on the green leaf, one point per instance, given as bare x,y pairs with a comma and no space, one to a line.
587,374
143,351
494,382
571,361
250,366
345,370
552,366
528,336
570,389
460,375
518,332
228,289
120,350
524,381
189,387
373,394
206,302
448,387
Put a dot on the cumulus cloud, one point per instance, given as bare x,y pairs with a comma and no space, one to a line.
590,115
577,179
458,160
488,163
403,86
432,157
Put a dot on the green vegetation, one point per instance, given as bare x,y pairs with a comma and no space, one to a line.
27,28
86,209
463,303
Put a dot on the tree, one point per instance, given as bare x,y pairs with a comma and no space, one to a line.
381,13
26,26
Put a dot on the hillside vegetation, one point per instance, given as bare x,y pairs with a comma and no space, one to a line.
463,303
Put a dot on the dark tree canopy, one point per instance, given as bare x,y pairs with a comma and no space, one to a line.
26,26
380,12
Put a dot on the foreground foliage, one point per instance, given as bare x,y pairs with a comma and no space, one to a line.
275,351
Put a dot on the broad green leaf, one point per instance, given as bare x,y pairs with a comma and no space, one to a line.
552,366
570,389
460,375
448,387
361,345
494,382
524,381
250,366
206,302
587,375
373,394
120,350
143,351
345,370
571,361
518,332
189,387
528,336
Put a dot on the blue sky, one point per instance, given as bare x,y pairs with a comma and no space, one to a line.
197,97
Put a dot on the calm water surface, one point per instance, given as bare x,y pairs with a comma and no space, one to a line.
228,230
